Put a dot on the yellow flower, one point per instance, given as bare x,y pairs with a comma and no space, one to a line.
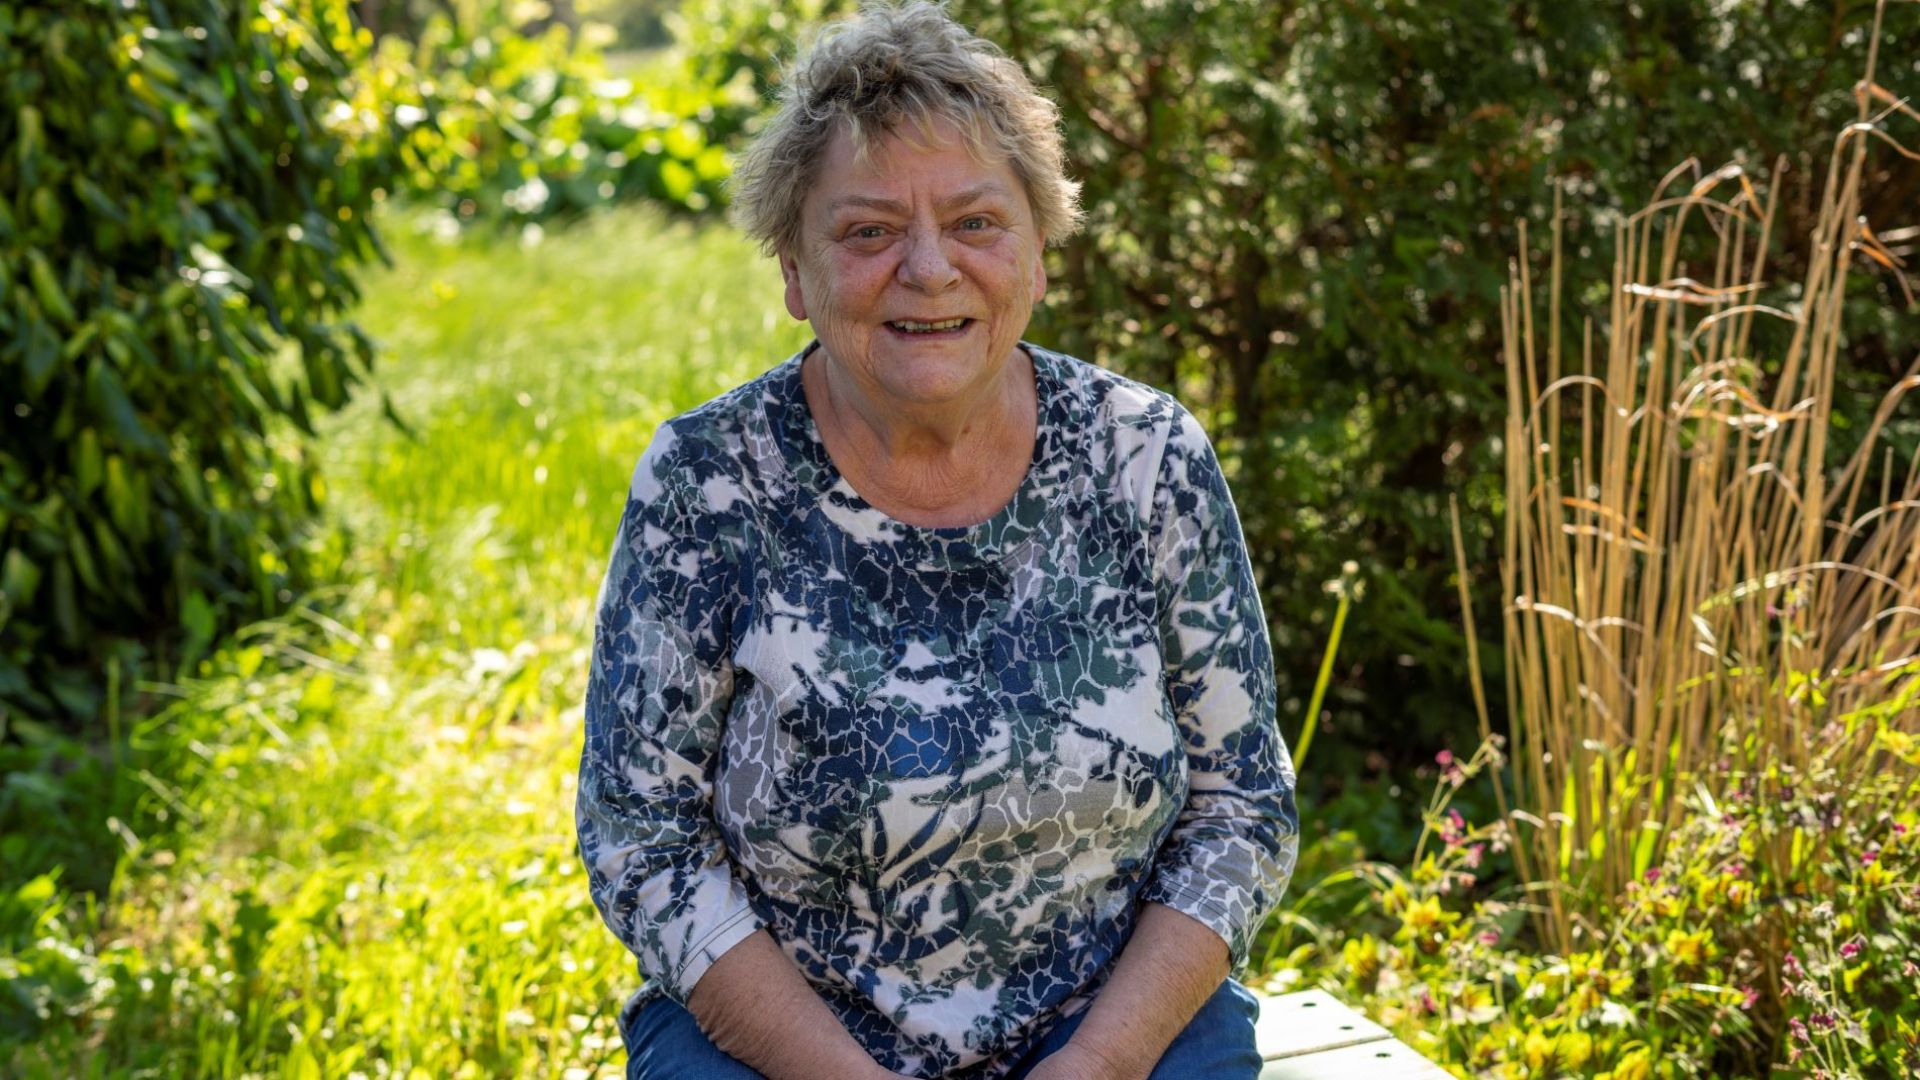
1689,949
1636,1065
1362,957
1424,923
1875,875
1900,745
1537,1049
1576,1047
1851,976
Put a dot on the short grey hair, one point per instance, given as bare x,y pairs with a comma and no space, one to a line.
885,69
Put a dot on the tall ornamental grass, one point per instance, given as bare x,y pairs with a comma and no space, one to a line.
1704,603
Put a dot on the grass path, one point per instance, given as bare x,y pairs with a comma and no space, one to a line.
376,873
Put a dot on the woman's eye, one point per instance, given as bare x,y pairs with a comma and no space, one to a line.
869,232
975,224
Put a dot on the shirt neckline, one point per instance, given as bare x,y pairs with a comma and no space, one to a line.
834,499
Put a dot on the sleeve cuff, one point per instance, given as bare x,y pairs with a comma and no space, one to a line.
735,929
1196,905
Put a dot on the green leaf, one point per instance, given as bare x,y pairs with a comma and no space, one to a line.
80,556
66,605
677,180
317,695
126,500
107,397
197,619
19,577
42,356
88,464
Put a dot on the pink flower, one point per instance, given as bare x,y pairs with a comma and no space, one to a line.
1751,996
1489,937
1799,1030
1791,965
1444,758
1652,875
1850,950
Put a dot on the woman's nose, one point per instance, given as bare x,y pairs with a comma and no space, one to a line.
926,266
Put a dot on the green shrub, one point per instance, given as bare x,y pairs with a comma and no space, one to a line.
1848,975
1300,216
178,220
492,121
1674,978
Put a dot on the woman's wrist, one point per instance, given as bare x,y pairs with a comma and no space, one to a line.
1102,1061
755,1006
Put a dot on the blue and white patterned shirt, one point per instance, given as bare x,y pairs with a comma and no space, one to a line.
942,767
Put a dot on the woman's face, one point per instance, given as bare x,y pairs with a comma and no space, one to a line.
918,268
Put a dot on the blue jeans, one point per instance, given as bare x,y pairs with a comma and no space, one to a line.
664,1043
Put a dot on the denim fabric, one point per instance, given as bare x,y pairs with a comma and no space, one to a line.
664,1043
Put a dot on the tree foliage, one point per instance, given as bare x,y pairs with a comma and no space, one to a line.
1301,217
177,225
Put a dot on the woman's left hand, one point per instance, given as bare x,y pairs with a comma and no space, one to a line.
1073,1062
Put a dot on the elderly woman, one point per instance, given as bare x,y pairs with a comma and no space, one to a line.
930,729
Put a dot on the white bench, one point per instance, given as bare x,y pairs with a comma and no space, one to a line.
1311,1036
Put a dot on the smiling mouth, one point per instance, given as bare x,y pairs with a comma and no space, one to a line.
944,326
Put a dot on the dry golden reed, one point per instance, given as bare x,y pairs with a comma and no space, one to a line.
1697,600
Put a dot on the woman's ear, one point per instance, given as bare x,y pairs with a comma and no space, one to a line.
796,295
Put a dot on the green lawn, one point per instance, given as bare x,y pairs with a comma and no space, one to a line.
374,870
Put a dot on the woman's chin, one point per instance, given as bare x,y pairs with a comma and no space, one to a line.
928,373
929,381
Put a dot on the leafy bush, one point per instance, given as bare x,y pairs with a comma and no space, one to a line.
1846,979
1684,974
491,120
1299,216
174,208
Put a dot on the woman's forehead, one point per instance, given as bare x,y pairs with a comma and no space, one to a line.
895,170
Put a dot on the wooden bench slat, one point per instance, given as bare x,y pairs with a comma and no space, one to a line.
1309,1022
1382,1059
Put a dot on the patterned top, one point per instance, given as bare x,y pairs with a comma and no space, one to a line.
940,766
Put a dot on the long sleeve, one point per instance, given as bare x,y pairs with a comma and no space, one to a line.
1232,847
657,700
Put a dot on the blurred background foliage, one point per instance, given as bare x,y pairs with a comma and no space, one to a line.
174,209
1301,216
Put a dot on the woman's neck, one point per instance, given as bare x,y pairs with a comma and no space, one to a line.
955,465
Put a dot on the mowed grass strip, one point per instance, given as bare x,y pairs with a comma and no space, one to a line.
372,871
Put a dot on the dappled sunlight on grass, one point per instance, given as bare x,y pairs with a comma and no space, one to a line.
376,872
